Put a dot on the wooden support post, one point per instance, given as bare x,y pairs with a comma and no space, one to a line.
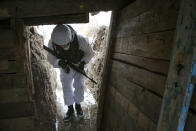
57,19
106,68
179,87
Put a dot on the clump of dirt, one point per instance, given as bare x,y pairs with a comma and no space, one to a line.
95,66
44,82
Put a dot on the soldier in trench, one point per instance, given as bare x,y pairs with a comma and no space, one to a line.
65,37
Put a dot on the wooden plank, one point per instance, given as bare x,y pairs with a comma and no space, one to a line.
193,101
57,19
154,20
8,54
106,68
7,38
17,109
144,100
179,88
153,82
109,120
4,65
5,23
13,95
4,14
190,122
153,65
139,6
110,117
11,66
141,119
155,45
34,8
127,122
18,124
12,81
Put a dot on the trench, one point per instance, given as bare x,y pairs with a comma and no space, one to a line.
50,106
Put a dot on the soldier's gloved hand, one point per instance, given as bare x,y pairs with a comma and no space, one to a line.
62,64
81,65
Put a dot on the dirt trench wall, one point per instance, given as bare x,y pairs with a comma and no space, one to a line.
44,82
95,66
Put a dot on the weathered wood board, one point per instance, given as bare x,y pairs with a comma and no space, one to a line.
7,39
4,14
57,19
179,88
126,121
5,23
8,54
144,100
148,80
15,102
190,122
13,95
106,68
154,45
7,66
12,81
193,101
133,111
109,120
18,124
16,109
140,6
32,8
154,20
152,65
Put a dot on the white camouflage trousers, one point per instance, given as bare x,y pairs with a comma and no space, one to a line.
70,81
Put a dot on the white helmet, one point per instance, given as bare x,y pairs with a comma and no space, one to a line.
61,35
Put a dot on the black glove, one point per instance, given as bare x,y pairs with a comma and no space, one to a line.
81,65
64,66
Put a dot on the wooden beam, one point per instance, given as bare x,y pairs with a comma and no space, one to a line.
179,87
107,67
37,8
57,19
13,95
16,109
17,80
18,124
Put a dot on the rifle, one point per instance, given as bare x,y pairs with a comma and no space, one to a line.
69,63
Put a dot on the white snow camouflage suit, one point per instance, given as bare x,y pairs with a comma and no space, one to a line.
73,78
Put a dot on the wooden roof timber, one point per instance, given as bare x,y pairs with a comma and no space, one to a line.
38,8
57,19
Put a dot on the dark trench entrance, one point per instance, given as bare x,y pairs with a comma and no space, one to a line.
49,100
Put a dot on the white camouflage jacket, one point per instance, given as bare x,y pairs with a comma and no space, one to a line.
84,45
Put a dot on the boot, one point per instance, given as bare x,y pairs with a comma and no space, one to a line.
69,114
79,110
